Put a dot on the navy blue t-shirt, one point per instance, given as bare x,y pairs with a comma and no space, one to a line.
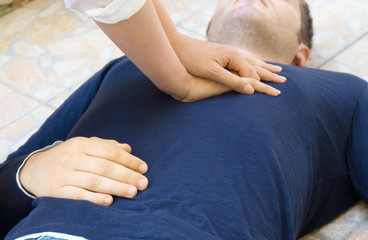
229,167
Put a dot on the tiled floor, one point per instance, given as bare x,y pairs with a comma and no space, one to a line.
47,51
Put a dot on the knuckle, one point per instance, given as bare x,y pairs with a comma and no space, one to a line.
214,70
112,141
130,163
253,82
240,85
111,152
65,158
78,195
93,182
229,50
75,142
105,168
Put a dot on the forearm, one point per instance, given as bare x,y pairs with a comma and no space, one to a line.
170,29
143,39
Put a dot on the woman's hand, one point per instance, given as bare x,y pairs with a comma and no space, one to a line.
226,65
200,88
91,169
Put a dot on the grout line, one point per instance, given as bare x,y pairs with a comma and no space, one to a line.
343,49
17,90
20,116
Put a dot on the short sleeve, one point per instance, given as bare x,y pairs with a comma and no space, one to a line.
106,11
358,147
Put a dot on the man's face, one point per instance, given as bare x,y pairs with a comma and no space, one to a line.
269,28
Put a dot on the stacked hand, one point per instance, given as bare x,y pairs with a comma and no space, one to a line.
89,169
214,69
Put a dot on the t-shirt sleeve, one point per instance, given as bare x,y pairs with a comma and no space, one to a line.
358,147
14,204
106,11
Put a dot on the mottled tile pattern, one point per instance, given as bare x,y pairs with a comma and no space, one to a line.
47,51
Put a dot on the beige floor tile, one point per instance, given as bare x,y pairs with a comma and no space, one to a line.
197,23
16,21
358,213
353,60
14,105
49,29
23,74
28,50
89,41
4,146
41,113
181,9
58,100
4,59
191,6
337,24
38,4
71,72
312,237
359,234
18,128
337,230
17,132
5,42
52,9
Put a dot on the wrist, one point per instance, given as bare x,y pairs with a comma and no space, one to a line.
24,175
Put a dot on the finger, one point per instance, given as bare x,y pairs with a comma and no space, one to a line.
264,88
232,81
269,76
270,67
99,184
124,146
110,151
111,170
76,193
254,61
242,67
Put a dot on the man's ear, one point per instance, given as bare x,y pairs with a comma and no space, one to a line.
301,56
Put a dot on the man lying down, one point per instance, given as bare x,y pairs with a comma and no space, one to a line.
229,167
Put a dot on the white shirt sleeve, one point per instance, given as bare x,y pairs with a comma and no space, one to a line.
106,11
17,175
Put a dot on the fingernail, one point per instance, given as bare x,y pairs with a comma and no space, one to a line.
131,191
283,79
107,201
277,92
143,168
278,68
142,183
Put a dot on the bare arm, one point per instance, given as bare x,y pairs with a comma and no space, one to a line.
143,40
219,62
147,39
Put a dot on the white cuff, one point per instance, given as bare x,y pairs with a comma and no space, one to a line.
37,151
113,12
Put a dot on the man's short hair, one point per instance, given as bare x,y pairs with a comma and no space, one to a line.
306,32
306,29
